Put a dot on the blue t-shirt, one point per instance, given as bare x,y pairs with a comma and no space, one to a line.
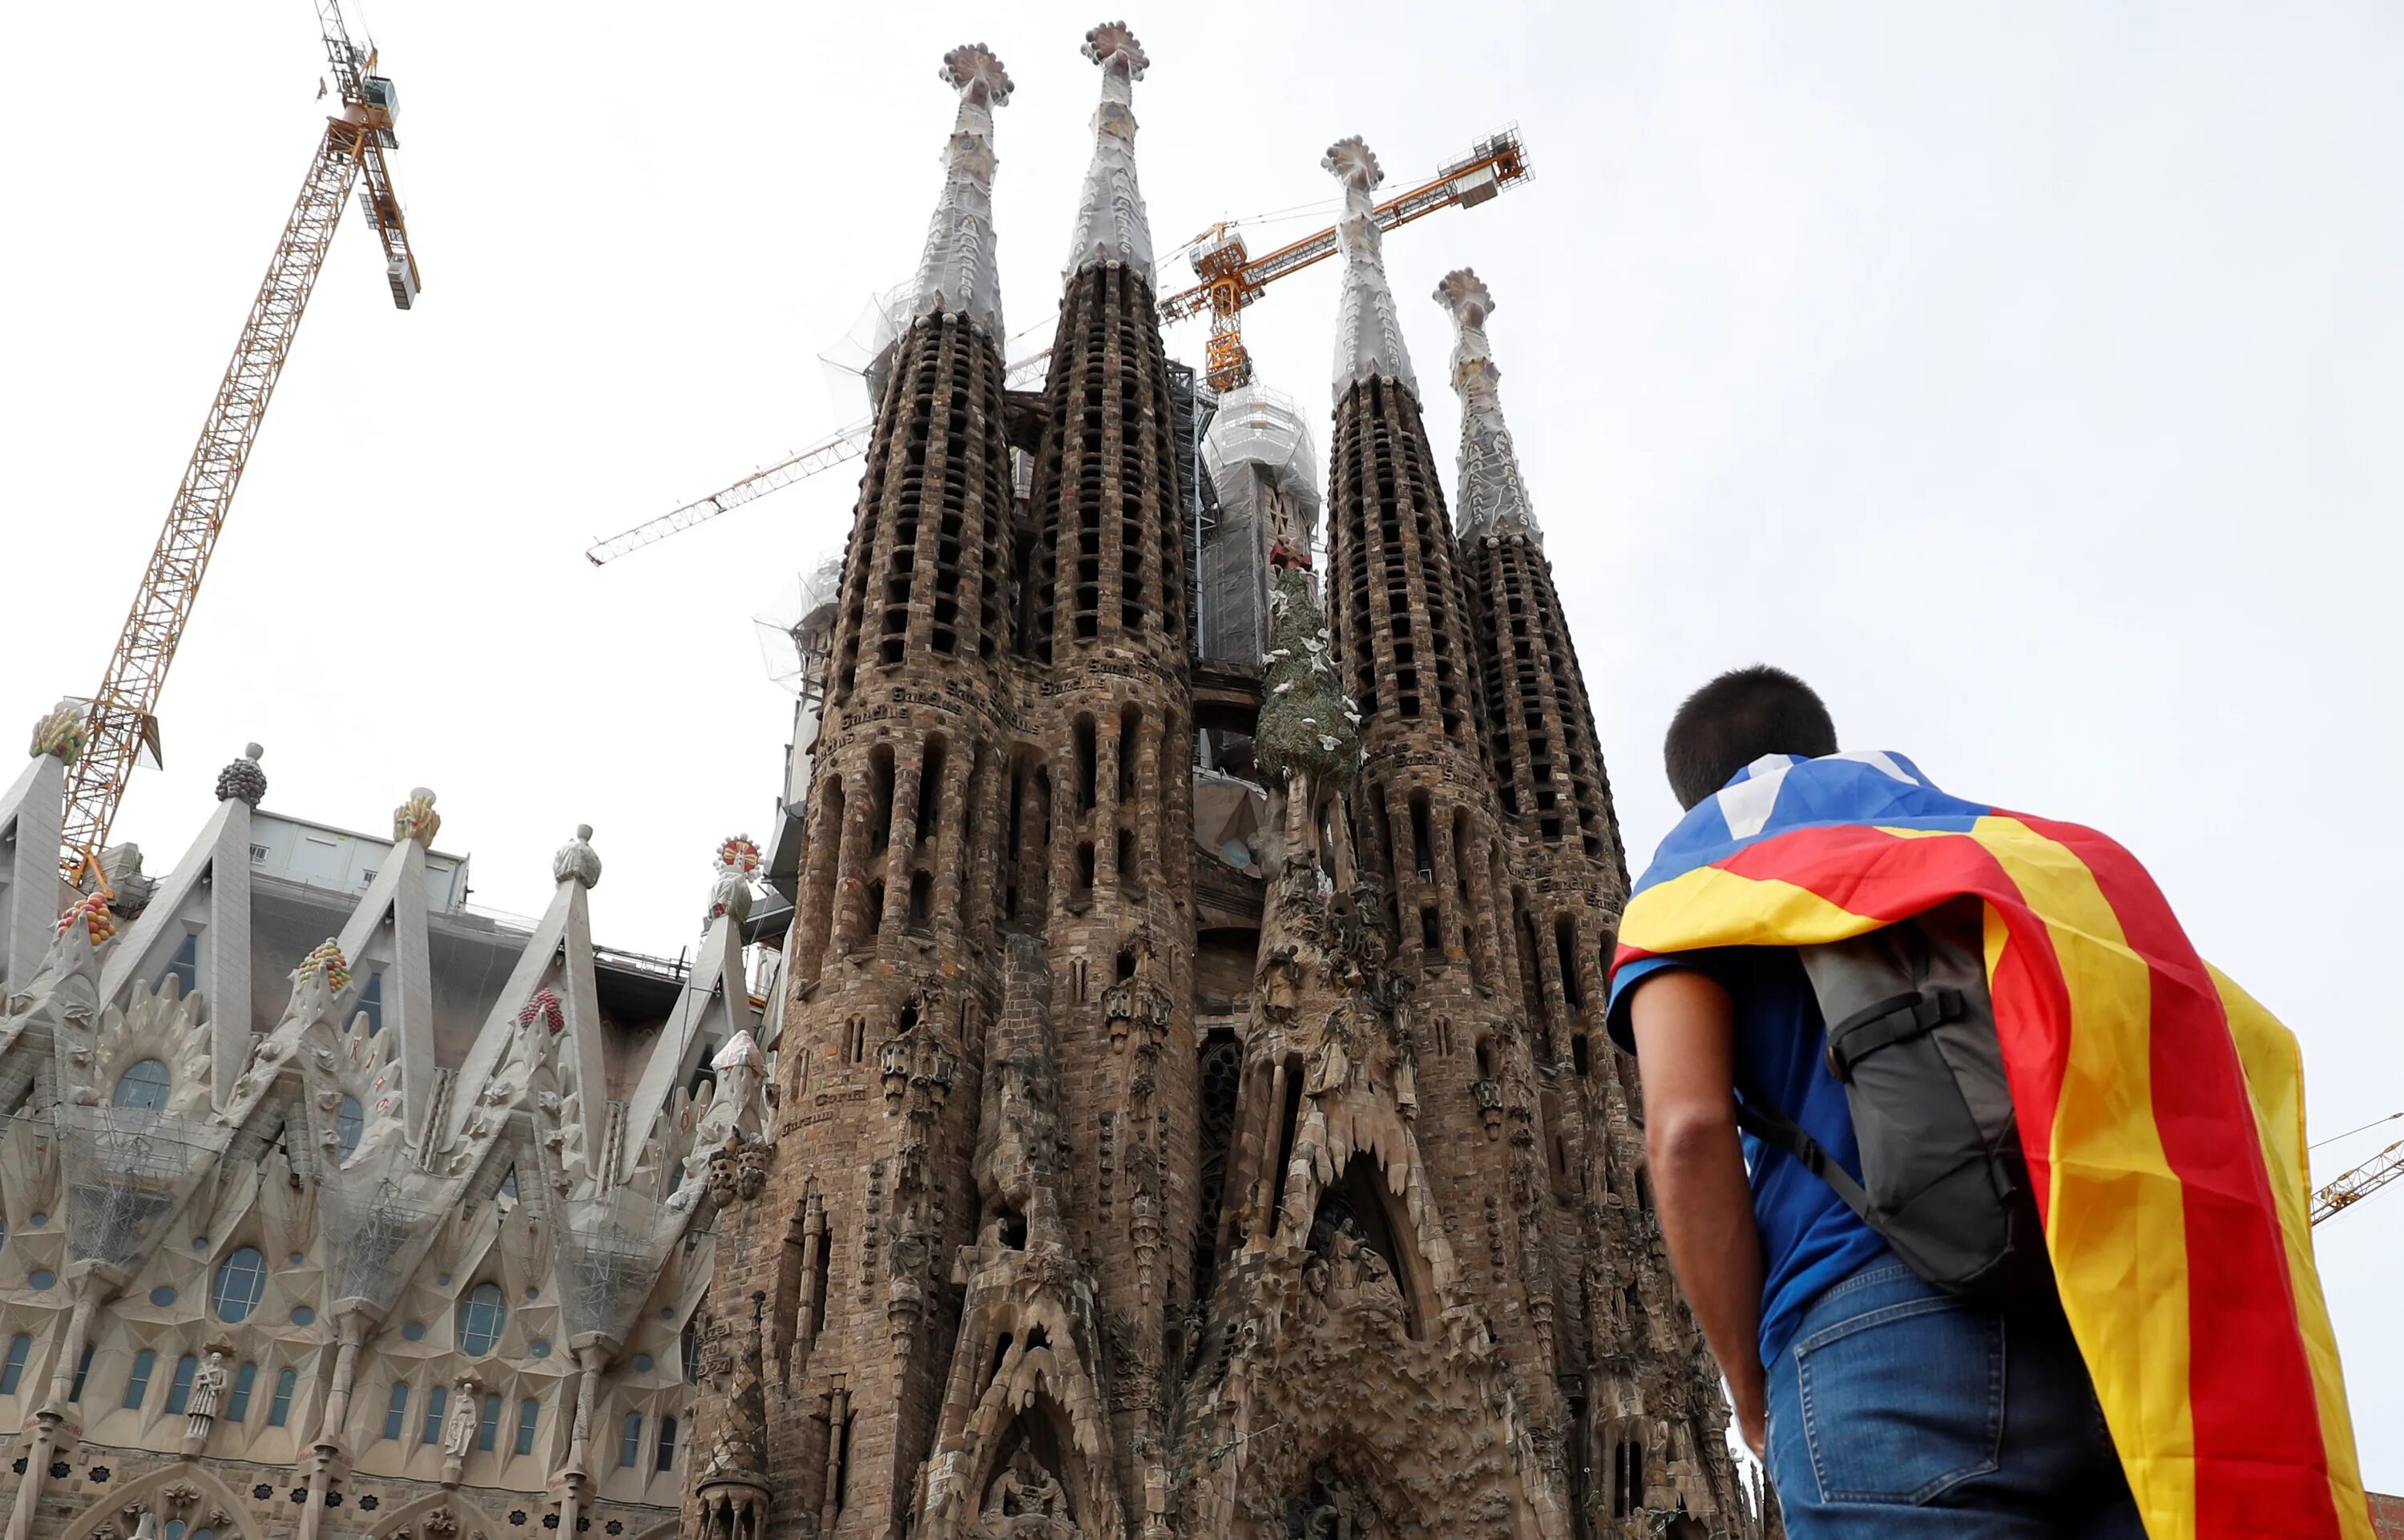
1809,1238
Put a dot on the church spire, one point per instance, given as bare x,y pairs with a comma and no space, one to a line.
1368,335
1111,225
1490,494
956,275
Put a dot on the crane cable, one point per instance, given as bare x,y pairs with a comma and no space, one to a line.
2351,1132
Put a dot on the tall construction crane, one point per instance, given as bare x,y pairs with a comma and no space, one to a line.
121,721
1231,280
2350,1187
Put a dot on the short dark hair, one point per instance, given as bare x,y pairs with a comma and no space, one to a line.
1736,719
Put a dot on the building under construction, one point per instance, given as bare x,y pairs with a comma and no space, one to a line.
1191,1112
335,1206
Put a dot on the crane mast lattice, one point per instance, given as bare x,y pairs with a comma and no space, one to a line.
2351,1187
121,719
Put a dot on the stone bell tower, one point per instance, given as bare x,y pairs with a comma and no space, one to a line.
895,962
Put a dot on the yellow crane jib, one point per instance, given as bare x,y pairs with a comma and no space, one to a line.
122,717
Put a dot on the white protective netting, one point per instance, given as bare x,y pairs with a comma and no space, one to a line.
371,1233
615,1245
796,632
129,1169
1265,470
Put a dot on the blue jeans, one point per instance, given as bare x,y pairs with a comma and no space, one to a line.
1899,1410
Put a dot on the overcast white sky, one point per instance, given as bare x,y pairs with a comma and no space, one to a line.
2024,376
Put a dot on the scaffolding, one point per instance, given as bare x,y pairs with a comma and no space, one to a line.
615,1245
1258,458
129,1171
370,1234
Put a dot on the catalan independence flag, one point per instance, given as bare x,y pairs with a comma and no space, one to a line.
2160,1106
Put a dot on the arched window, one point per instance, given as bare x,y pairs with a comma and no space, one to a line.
143,1087
175,1529
630,1443
481,1315
348,1123
241,1278
371,1002
83,1367
488,1423
179,1393
137,1384
238,1403
667,1444
395,1409
13,1371
431,1431
280,1409
529,1413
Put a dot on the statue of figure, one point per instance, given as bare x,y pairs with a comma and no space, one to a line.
208,1383
1336,1515
1344,1260
461,1436
1026,1503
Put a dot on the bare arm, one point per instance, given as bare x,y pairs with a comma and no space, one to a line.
1685,1044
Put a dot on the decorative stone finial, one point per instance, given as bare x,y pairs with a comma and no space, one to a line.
576,862
1112,224
91,912
326,959
730,894
1493,498
956,275
416,819
742,1051
242,780
59,733
1368,334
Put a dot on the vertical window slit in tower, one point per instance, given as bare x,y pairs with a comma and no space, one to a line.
1289,1122
1423,839
1221,1073
880,793
1565,945
1084,869
1532,990
819,1279
922,899
823,887
1129,876
842,1462
930,790
876,908
1081,735
1013,831
1130,749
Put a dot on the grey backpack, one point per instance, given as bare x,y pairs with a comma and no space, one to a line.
1912,1037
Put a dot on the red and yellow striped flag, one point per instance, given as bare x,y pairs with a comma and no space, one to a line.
2161,1108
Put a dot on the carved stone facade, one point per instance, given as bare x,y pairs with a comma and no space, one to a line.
336,1208
1114,1188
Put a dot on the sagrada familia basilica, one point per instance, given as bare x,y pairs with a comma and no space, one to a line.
1111,1191
1167,1098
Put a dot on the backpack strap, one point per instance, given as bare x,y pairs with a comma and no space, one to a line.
1759,1116
1890,1021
